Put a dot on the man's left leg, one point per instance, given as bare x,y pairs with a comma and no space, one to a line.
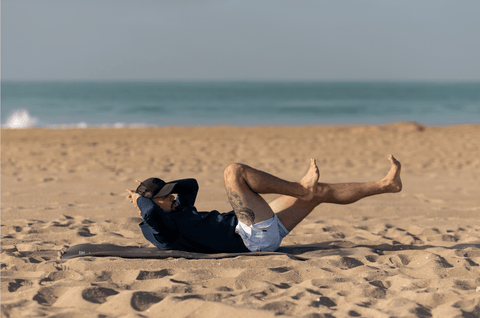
292,211
245,184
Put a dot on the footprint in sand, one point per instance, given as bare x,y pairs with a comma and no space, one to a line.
465,285
141,301
18,284
281,269
144,275
85,232
49,295
468,252
400,260
97,295
449,238
402,307
281,307
67,274
346,263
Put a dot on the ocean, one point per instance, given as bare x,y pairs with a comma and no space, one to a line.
141,104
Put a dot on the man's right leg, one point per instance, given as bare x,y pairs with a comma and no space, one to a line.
292,211
244,185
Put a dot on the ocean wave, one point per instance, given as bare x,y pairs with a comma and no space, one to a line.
20,119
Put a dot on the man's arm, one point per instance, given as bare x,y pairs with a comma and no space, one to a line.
157,219
187,190
154,216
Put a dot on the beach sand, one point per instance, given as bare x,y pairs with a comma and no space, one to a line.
411,254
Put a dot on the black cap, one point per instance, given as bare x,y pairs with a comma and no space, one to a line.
154,188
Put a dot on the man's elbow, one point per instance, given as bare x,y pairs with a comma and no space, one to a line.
193,182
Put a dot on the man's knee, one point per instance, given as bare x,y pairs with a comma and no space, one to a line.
234,171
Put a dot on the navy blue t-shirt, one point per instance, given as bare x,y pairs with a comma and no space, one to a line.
187,229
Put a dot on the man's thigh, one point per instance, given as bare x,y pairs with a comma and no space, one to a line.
249,206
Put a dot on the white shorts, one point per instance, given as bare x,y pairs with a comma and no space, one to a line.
264,236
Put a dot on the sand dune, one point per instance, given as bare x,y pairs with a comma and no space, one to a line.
412,254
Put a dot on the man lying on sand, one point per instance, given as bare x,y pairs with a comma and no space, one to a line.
254,225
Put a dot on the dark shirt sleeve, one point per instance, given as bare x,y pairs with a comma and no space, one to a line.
186,190
157,219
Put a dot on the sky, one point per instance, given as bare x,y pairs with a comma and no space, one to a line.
144,40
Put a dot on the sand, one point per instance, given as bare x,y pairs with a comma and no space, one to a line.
411,254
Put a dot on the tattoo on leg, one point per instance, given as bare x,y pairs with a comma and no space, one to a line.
243,213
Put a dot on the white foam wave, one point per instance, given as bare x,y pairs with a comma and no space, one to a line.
20,119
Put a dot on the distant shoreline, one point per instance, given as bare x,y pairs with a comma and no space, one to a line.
112,127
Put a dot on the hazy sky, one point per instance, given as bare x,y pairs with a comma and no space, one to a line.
240,40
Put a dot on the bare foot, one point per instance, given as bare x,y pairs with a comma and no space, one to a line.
392,182
309,181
